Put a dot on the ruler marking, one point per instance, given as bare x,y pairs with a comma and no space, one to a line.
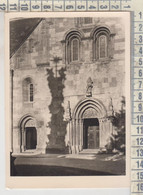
30,5
132,70
121,4
136,146
98,4
107,5
7,4
137,169
64,5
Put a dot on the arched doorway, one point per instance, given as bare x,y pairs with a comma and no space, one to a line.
28,134
90,126
91,133
31,138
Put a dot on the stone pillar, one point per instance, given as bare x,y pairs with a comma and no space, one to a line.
64,52
22,140
105,131
101,133
68,141
41,139
77,135
80,135
70,137
40,135
16,137
73,135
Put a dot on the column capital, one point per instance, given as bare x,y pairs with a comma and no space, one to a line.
105,119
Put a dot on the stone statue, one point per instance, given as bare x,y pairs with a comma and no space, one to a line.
111,109
89,87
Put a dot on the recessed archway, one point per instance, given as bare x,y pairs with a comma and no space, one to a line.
28,134
89,121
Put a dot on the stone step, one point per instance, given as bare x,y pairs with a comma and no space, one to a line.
89,151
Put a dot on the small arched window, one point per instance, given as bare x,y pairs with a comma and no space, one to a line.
73,47
28,95
74,50
102,48
31,92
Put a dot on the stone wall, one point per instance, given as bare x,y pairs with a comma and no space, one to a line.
36,55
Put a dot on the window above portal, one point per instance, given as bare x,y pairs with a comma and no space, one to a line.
73,47
102,44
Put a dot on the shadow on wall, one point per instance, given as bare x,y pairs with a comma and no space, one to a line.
57,124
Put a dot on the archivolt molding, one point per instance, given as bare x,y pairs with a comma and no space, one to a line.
98,29
89,103
73,32
26,119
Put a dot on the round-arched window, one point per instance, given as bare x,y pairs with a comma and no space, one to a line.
102,46
28,95
74,50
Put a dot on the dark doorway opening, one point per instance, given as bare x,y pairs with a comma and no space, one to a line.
31,138
91,133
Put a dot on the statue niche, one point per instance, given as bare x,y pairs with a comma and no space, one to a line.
89,87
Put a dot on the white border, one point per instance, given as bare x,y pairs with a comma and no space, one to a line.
74,182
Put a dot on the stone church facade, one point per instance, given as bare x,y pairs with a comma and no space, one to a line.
68,78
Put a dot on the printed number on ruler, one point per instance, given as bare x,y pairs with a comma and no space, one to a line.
137,65
64,5
138,69
137,127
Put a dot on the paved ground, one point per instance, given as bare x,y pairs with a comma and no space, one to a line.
68,165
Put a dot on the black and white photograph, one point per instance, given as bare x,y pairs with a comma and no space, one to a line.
68,95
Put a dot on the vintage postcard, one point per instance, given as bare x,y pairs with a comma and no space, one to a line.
68,100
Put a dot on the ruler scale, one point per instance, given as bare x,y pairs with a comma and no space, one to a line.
61,5
137,104
134,6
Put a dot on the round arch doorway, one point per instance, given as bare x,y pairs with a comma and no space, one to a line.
28,134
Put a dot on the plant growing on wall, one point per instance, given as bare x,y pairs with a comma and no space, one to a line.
57,124
117,139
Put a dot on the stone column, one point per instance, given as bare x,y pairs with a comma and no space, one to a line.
76,135
70,137
68,140
22,140
16,137
105,131
64,52
37,146
73,135
80,135
101,133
